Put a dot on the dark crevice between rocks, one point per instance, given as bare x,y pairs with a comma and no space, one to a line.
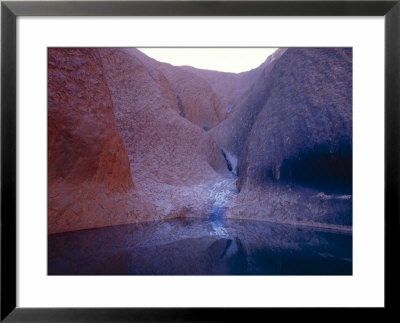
228,164
180,106
228,243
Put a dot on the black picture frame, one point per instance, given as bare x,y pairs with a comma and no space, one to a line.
10,10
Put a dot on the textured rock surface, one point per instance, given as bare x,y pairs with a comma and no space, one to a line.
300,108
88,168
292,133
195,99
303,134
172,160
232,133
111,119
229,87
126,142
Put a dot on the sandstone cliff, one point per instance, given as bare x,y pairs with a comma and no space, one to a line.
88,168
127,141
172,160
113,119
195,98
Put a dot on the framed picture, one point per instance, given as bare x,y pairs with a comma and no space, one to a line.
167,161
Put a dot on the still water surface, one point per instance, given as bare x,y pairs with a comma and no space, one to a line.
194,246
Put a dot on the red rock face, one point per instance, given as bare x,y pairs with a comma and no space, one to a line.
196,100
113,119
199,103
127,144
87,161
171,159
160,143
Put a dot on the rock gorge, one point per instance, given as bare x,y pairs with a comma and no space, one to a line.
132,140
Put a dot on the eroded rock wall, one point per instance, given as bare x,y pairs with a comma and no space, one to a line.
88,168
160,143
231,135
303,133
230,87
119,150
195,98
173,161
291,138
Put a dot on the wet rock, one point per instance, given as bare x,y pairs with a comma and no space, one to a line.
285,204
291,135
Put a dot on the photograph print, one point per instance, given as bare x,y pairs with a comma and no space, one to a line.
200,161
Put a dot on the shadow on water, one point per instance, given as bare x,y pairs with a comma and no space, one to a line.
214,246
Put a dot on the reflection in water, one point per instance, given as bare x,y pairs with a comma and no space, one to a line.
190,246
220,193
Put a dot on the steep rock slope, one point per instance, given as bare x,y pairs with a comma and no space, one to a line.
303,134
195,99
229,87
88,168
113,119
290,139
172,160
231,134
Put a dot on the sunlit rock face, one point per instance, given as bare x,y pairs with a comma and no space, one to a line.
194,97
88,168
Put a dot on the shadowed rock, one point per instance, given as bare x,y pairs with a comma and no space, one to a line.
231,134
303,134
229,87
295,122
291,137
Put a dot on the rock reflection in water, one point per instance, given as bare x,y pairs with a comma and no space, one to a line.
190,246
